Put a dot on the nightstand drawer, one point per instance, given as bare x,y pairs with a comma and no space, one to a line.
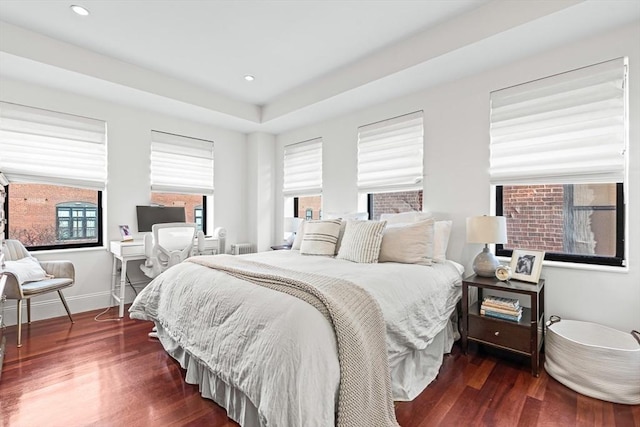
501,333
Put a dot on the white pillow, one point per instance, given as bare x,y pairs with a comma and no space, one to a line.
299,235
405,217
361,241
408,243
320,237
442,231
26,269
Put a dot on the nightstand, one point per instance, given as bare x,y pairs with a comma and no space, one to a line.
280,247
523,337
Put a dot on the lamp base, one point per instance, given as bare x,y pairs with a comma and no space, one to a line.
485,263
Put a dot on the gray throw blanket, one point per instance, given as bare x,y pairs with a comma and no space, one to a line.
364,397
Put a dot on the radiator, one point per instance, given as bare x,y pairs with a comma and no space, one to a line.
242,248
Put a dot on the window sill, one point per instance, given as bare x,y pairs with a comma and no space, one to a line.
577,266
68,251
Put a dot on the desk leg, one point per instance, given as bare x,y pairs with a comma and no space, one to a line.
123,283
114,272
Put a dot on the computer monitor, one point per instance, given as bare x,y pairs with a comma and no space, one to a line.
149,215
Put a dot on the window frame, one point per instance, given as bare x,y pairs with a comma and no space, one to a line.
616,261
99,228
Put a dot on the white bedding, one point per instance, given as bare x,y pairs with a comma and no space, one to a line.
278,350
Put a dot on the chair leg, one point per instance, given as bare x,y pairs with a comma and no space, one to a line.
29,311
19,323
66,307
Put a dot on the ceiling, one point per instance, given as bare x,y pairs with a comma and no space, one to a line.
312,60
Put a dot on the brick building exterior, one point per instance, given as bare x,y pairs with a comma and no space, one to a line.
33,211
535,217
401,201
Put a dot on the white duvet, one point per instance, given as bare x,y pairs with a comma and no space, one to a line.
280,351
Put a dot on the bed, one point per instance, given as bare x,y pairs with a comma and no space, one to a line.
270,358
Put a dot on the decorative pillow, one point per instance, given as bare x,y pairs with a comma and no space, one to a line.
405,217
344,217
442,230
320,237
408,243
26,269
299,235
361,241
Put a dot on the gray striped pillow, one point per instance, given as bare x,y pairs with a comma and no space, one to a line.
361,241
320,237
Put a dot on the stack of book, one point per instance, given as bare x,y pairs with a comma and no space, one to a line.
501,308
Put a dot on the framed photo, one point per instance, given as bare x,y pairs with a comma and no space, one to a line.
125,233
526,265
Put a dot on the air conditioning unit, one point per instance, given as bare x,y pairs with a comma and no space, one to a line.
242,248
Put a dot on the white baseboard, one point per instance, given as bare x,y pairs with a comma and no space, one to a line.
53,307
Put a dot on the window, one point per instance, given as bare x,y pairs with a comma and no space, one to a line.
76,221
54,200
302,183
182,175
395,202
390,165
558,148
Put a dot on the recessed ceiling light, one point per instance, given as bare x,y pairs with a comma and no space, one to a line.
249,78
79,10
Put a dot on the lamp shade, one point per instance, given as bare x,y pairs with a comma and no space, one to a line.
291,224
487,229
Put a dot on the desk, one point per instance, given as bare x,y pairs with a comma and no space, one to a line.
134,251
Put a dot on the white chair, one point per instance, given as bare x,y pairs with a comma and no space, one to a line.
59,275
167,245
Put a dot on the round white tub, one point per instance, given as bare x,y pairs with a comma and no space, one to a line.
594,360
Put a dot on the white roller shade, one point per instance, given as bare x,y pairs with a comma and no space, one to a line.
180,164
303,168
47,147
390,154
568,128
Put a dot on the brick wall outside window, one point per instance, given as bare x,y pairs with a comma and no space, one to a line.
402,201
535,217
32,211
189,201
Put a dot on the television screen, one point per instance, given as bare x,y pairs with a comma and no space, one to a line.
149,215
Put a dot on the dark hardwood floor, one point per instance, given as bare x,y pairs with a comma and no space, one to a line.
112,374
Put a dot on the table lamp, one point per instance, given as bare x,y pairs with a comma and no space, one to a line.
486,229
291,226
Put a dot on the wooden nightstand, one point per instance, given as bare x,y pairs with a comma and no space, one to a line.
523,337
281,247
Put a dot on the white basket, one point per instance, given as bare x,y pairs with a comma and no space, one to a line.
594,360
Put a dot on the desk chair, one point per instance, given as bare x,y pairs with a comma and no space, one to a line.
60,275
167,245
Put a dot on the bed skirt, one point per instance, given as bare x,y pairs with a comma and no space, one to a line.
410,375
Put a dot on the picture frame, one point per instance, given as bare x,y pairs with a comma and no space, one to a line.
125,233
526,265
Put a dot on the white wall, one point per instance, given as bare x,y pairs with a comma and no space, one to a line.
457,160
128,185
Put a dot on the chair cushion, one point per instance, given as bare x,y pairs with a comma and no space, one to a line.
48,285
